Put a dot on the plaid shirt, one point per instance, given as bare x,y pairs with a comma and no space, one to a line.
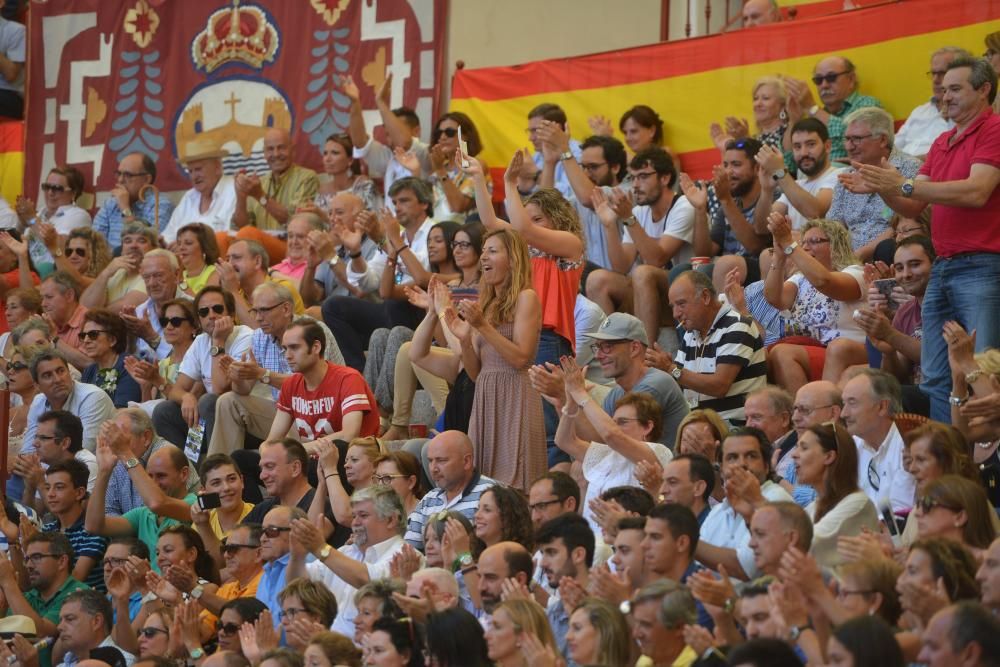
269,355
122,495
835,126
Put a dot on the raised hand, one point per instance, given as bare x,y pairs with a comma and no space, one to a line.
720,181
961,345
854,182
515,168
719,136
735,294
141,371
650,476
454,541
601,126
348,87
602,207
770,160
780,226
19,248
383,98
228,278
408,159
404,563
657,357
737,128
538,654
547,380
621,202
696,192
611,586
473,313
512,589
440,295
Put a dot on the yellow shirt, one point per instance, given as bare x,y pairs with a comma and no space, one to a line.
685,659
198,282
121,284
213,520
296,187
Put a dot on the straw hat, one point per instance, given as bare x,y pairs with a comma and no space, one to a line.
201,148
21,625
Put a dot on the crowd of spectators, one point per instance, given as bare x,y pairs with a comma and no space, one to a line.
676,422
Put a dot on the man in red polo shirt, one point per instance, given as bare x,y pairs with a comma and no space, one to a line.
320,399
959,181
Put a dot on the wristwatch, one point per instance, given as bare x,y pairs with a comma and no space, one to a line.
335,261
197,654
58,252
324,553
263,201
215,350
789,249
127,213
958,401
629,221
266,378
778,175
675,372
131,463
796,632
906,189
197,592
462,561
568,155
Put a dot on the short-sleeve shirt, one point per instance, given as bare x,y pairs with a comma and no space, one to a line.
732,339
667,393
84,544
148,526
825,318
678,223
826,181
197,362
722,233
605,468
320,411
12,43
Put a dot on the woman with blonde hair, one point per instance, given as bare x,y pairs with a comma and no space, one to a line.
86,254
822,298
771,116
359,467
499,337
598,634
511,621
956,508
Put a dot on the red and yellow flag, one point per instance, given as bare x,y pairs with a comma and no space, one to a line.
11,159
694,82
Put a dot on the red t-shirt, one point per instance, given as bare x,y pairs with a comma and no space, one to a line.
320,412
956,229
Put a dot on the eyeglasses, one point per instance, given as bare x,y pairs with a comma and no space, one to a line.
93,334
856,138
53,187
542,504
173,321
114,562
813,242
82,252
592,166
229,549
17,366
448,131
274,531
385,480
605,346
806,410
218,309
228,629
129,174
643,175
264,310
623,421
149,633
829,78
291,613
35,559
927,504
461,245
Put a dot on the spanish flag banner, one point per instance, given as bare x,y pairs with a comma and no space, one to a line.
695,82
11,159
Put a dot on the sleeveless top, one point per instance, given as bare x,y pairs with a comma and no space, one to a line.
557,282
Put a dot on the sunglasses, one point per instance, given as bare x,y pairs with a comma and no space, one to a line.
228,629
926,504
53,187
17,366
218,309
448,131
829,78
82,252
149,633
275,531
90,335
175,322
229,549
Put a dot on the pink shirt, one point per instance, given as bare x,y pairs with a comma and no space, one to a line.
291,269
957,229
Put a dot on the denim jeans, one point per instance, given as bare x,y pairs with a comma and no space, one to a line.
551,346
965,289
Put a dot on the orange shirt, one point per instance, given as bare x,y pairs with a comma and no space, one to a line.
70,332
557,282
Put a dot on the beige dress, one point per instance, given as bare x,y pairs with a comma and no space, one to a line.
507,428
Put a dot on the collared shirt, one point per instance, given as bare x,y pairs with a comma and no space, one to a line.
558,618
271,582
836,126
436,500
122,283
382,163
376,559
122,495
725,527
925,124
49,610
325,276
69,333
219,215
70,659
110,220
86,401
293,270
229,591
881,474
147,525
368,281
296,187
197,362
732,339
84,544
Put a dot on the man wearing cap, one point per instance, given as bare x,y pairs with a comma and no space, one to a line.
212,200
135,171
619,346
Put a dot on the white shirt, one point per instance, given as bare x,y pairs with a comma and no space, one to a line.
895,486
147,309
825,181
924,125
678,223
848,518
376,559
725,527
67,218
218,215
197,361
368,281
605,468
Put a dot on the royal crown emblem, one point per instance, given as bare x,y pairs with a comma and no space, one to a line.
235,34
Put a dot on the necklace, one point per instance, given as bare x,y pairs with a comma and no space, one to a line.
988,444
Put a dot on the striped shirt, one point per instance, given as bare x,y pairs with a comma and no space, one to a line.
84,544
269,355
435,500
732,339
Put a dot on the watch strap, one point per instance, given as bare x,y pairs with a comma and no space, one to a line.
568,155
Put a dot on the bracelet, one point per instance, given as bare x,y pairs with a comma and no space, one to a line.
580,402
354,255
567,413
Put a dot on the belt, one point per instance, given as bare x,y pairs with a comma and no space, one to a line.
967,254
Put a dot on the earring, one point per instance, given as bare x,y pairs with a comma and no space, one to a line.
783,115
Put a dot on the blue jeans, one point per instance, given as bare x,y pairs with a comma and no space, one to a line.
965,289
551,346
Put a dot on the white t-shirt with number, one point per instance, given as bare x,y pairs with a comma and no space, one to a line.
678,223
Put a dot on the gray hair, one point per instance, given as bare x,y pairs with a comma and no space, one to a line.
92,603
283,293
161,252
678,608
140,419
143,229
972,622
66,283
780,400
878,120
956,51
386,503
885,387
442,578
699,280
33,323
981,73
257,250
315,222
381,590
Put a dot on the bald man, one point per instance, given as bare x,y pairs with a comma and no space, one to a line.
502,561
815,403
440,584
458,484
760,12
329,253
265,204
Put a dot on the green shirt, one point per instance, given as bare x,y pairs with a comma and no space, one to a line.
835,127
296,187
147,526
49,610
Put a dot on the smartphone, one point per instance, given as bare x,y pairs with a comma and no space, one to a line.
463,147
209,501
889,519
885,287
